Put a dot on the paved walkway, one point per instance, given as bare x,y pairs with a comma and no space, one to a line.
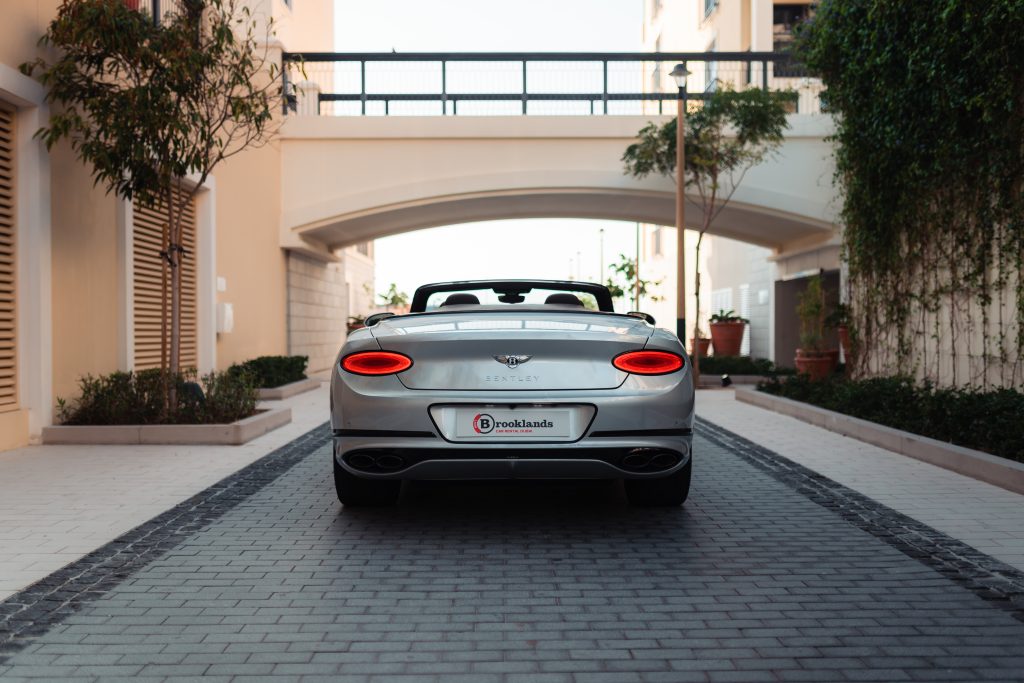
770,572
751,581
985,517
58,503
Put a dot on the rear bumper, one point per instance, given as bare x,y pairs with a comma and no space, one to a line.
425,458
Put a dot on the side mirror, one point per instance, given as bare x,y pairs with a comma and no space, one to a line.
372,320
643,316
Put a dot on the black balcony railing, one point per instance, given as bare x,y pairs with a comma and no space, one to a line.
159,10
482,83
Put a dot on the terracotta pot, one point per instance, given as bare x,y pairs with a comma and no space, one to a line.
132,4
833,359
844,341
353,328
727,338
704,345
817,364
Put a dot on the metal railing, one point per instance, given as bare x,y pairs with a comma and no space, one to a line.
159,10
502,83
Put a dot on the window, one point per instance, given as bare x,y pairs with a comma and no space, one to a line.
784,22
147,278
721,300
657,241
363,248
711,70
8,290
709,7
745,313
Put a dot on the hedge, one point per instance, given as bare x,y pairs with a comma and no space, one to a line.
986,420
274,371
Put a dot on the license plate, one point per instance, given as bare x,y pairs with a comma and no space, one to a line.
488,423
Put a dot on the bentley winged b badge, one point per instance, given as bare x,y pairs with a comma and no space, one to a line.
512,361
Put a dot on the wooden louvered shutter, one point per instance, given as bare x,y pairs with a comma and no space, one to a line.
8,288
147,242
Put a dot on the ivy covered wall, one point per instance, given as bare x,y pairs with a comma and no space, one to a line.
929,105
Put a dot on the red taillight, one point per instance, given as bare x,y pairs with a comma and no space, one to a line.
375,363
648,362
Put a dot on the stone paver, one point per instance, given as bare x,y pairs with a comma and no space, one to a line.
758,578
58,503
986,517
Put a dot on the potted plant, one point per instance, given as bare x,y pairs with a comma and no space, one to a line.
812,358
700,344
839,320
356,322
727,333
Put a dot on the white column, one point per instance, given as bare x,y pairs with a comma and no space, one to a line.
308,93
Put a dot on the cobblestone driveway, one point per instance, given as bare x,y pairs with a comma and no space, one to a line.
751,581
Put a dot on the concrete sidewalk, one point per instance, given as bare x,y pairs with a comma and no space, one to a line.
58,503
983,516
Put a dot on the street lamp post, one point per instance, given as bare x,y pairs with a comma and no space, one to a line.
679,74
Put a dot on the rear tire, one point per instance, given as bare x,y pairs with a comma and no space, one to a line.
355,491
663,492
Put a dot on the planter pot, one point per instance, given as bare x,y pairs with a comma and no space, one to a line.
132,4
727,338
844,341
288,390
833,358
816,364
353,328
704,345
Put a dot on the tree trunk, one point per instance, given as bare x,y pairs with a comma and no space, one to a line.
174,250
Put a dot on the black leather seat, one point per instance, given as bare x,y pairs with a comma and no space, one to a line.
460,299
563,298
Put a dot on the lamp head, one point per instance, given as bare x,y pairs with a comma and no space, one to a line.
679,74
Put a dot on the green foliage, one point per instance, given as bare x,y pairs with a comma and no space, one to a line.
393,298
930,118
811,310
989,421
145,104
723,139
273,371
623,284
741,365
724,316
123,398
839,316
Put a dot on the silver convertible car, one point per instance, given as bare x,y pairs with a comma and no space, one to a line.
512,379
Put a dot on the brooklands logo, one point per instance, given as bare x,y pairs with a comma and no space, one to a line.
512,361
485,424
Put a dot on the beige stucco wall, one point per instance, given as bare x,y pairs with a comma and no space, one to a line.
249,256
85,275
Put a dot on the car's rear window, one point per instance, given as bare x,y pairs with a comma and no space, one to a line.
535,296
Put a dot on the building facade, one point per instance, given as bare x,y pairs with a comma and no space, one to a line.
79,269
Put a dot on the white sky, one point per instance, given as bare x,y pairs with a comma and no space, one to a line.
542,248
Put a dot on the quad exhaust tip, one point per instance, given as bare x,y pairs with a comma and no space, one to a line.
385,462
649,460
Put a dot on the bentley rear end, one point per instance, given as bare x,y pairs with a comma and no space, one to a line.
512,379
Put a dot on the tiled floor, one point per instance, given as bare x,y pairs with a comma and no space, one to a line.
58,503
983,516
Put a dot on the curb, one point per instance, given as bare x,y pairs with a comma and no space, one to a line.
288,390
233,434
1006,474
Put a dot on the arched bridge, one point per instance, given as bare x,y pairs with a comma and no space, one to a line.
382,175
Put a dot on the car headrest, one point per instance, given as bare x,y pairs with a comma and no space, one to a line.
460,298
563,298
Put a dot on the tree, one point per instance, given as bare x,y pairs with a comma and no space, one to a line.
393,298
148,104
727,136
637,288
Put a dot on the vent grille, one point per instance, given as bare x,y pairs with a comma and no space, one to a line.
147,278
8,274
